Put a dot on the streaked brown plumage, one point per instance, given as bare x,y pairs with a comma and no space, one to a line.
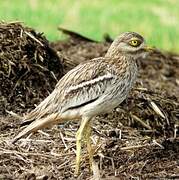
90,89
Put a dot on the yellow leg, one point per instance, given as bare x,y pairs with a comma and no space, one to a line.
79,136
88,143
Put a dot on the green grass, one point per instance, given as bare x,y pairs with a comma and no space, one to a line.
157,20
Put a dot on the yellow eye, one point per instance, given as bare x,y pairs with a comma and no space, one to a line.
134,43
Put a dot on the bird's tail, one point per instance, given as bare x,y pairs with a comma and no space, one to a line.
48,106
38,124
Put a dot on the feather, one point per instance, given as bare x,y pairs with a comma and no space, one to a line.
36,125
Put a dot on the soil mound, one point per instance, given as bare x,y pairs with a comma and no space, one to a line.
29,67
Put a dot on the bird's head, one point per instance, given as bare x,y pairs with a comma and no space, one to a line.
130,44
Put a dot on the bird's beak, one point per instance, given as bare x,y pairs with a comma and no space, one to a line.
149,49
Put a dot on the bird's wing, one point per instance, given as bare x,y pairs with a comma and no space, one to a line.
84,84
81,85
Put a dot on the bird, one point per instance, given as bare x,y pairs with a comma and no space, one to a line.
92,88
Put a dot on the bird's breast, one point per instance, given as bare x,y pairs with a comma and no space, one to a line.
125,83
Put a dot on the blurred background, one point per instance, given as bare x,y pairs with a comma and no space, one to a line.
157,20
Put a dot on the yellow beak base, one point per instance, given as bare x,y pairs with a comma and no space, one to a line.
149,49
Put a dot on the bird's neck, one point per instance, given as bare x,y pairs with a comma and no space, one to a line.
116,54
122,62
112,52
120,58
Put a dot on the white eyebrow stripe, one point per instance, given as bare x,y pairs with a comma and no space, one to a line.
91,82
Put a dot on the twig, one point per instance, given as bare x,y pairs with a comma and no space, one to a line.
96,172
156,143
53,75
31,36
26,140
143,166
157,109
70,139
14,114
54,155
62,165
140,121
102,157
133,147
36,140
75,35
41,132
62,137
175,131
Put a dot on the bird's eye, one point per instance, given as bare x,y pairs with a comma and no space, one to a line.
134,43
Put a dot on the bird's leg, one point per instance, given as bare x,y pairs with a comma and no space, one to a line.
79,136
88,143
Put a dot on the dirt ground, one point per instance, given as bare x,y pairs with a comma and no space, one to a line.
138,140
